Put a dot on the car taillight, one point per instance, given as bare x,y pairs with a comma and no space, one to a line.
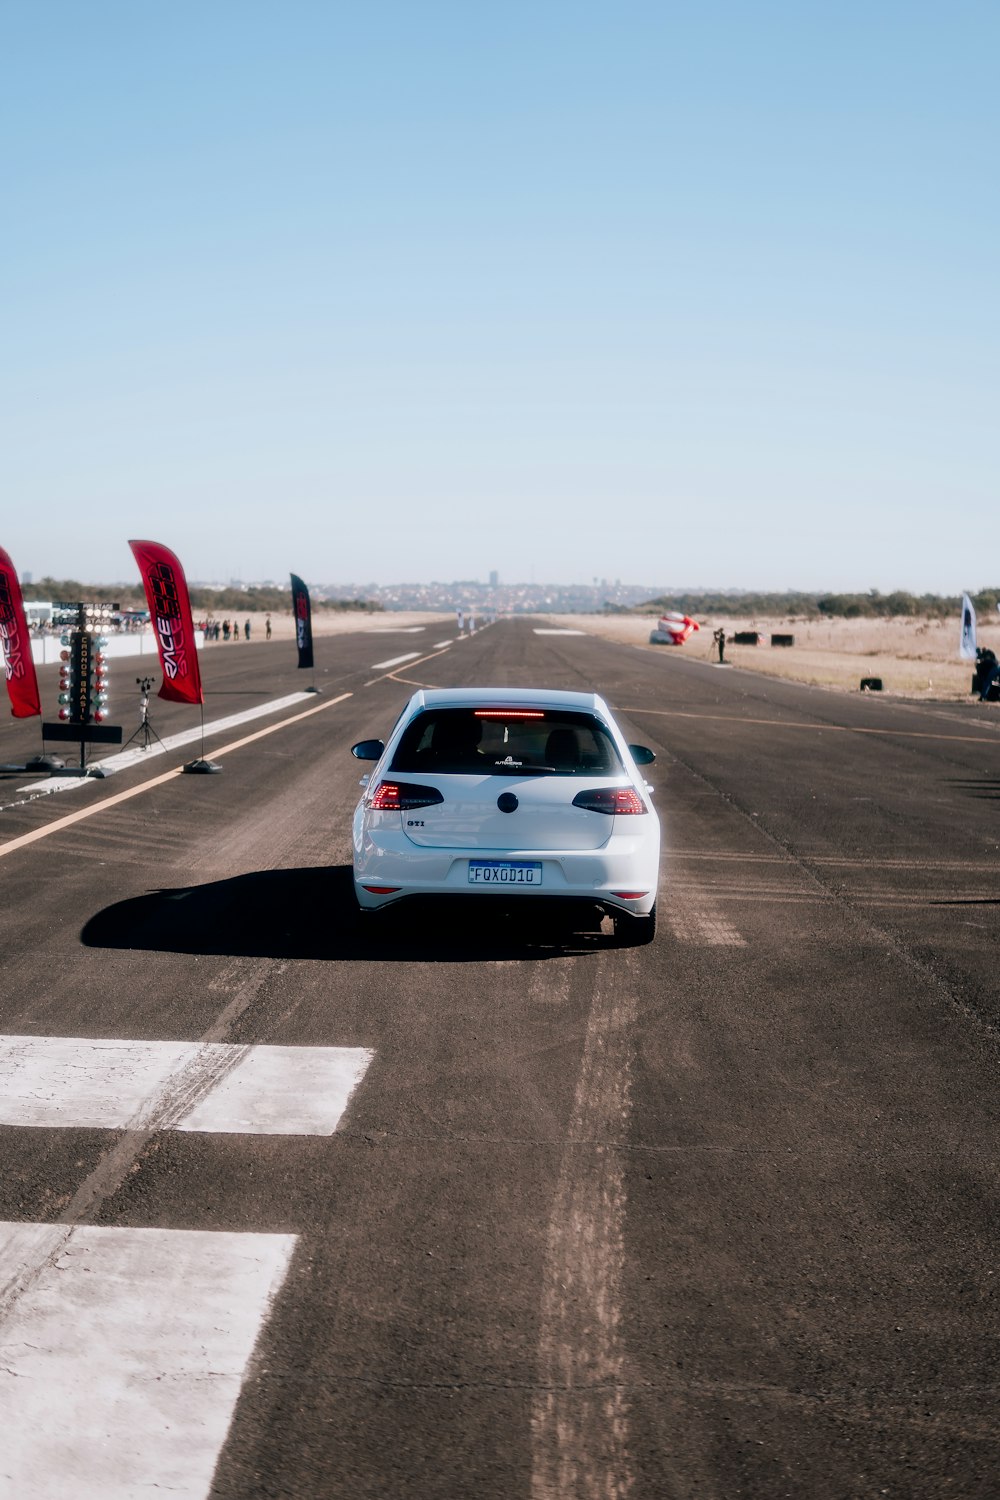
401,796
619,801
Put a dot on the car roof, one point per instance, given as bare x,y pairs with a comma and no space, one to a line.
507,697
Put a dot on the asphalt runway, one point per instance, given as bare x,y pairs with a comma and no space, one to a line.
470,1206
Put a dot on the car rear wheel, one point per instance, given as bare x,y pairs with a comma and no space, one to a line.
632,931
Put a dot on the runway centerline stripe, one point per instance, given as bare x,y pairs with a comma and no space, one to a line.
124,1355
213,1086
431,656
394,661
57,826
906,734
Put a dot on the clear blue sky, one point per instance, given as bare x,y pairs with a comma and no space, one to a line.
687,294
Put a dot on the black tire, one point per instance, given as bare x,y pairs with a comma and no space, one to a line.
632,931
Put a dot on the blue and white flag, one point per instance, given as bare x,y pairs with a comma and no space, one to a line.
967,640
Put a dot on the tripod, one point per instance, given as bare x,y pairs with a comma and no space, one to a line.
145,727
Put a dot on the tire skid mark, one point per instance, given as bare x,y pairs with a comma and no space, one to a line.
701,924
580,1416
868,862
817,726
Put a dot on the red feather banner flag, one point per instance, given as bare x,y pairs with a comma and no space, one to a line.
170,610
22,683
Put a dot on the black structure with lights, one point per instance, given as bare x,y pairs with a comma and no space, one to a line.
83,686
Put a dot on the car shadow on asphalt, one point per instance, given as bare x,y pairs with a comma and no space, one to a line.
311,913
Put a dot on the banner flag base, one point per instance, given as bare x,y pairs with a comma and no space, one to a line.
201,767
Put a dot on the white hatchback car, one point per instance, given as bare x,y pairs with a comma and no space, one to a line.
523,793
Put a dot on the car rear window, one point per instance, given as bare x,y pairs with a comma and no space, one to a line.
507,742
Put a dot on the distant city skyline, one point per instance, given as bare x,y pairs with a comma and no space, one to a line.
425,291
495,592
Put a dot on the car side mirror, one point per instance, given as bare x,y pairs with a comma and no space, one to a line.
368,750
642,755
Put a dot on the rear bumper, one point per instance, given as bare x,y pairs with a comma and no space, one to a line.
627,862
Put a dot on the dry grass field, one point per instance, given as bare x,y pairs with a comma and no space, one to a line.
915,658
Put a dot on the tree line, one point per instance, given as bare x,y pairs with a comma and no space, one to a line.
873,605
273,599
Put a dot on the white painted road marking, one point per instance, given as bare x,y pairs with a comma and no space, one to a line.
124,759
22,842
429,656
394,661
541,630
122,1354
438,645
210,1086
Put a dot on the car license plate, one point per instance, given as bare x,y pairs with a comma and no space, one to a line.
504,872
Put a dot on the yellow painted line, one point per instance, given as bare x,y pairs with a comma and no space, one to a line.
906,734
409,667
13,845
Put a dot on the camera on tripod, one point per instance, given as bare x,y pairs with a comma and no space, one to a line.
145,729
